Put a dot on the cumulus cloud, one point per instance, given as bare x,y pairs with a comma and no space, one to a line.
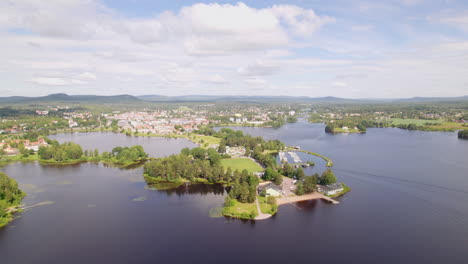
78,46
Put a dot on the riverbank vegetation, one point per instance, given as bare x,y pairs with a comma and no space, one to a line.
463,134
10,198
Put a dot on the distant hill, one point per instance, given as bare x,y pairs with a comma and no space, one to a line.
239,98
79,99
129,99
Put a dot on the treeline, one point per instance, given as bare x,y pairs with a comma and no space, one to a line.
71,152
10,195
463,134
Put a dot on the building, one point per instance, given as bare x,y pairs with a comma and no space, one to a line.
270,189
330,189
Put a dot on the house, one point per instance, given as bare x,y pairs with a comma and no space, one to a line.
11,151
330,189
270,189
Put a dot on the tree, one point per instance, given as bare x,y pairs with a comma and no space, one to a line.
300,188
279,179
300,174
310,183
222,147
198,153
185,151
327,177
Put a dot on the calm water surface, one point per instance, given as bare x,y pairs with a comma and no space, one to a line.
408,204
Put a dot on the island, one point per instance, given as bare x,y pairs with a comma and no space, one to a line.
247,165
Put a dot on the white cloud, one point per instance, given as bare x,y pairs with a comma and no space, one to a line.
259,68
49,81
340,84
256,81
78,46
217,79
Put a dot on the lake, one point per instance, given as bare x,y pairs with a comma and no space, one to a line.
408,204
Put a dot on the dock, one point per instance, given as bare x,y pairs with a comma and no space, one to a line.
305,197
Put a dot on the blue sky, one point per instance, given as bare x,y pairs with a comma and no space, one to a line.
354,49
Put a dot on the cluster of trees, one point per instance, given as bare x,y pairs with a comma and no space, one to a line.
332,127
328,177
125,154
244,189
190,165
307,185
70,151
10,195
271,174
463,134
61,152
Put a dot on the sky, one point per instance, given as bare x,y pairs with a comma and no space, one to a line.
350,49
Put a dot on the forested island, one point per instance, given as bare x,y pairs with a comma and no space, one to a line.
69,152
204,165
10,198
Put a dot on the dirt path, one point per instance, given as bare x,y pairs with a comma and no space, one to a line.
261,215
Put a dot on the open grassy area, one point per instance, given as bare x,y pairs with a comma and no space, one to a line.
436,125
418,122
265,207
241,210
205,139
241,164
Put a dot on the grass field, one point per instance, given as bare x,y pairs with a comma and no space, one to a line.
241,210
241,164
418,122
441,125
205,139
266,207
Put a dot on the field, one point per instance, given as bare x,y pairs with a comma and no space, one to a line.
265,207
205,139
418,122
241,164
241,210
440,125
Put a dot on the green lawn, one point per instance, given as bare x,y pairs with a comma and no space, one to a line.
441,125
418,122
241,164
241,210
205,139
266,207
